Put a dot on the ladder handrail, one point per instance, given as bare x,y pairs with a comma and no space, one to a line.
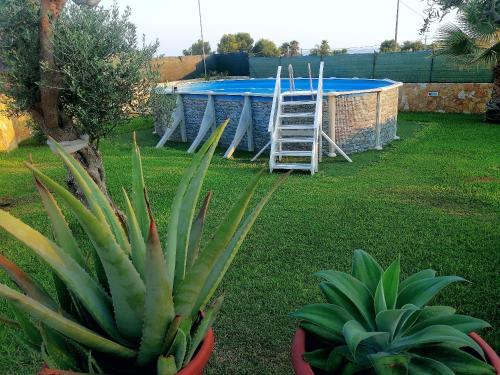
310,76
318,115
277,93
291,77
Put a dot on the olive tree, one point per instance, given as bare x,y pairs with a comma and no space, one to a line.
78,69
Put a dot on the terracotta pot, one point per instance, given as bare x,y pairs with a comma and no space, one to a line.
195,367
301,367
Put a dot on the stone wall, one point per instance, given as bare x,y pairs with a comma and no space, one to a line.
355,119
13,130
452,97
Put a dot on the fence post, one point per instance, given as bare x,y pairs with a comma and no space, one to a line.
374,63
432,68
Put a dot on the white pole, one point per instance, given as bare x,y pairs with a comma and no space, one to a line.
202,40
397,21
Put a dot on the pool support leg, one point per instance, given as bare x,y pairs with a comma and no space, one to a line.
244,127
177,119
332,102
208,122
378,114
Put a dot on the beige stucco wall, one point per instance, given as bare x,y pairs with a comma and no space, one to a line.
12,129
452,97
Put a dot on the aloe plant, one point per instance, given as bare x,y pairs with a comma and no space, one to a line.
375,323
126,305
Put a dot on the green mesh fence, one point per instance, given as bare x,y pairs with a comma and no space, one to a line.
398,66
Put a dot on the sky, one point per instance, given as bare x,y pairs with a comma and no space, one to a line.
344,23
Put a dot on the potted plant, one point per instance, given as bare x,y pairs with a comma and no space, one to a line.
125,305
373,323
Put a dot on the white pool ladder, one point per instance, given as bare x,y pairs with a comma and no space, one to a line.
295,125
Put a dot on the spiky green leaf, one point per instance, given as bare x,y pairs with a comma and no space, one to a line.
463,323
318,358
225,259
126,286
366,269
159,308
63,235
201,330
353,289
388,320
459,361
171,332
321,332
331,318
196,232
58,350
92,296
178,348
424,274
63,325
137,240
31,332
97,200
166,366
390,364
173,224
26,283
139,191
335,297
437,334
422,291
189,294
354,333
427,366
186,214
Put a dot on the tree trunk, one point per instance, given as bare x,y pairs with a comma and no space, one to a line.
493,106
47,114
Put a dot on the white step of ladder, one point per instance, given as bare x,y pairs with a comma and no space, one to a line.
299,102
297,114
294,153
296,127
295,140
301,166
291,135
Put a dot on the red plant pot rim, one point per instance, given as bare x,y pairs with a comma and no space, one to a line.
194,367
301,367
200,360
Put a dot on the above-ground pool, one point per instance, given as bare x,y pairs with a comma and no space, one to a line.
265,87
358,114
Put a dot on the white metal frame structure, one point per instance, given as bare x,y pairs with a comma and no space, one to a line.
308,136
177,120
245,124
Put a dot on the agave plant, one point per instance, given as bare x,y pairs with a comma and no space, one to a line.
125,305
375,323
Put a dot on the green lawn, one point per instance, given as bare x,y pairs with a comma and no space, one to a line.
433,198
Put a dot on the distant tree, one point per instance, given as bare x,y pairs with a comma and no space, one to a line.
197,48
289,49
322,49
265,48
389,46
339,51
412,46
239,42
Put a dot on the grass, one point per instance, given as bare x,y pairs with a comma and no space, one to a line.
433,198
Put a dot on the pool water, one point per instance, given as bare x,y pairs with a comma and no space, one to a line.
266,86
